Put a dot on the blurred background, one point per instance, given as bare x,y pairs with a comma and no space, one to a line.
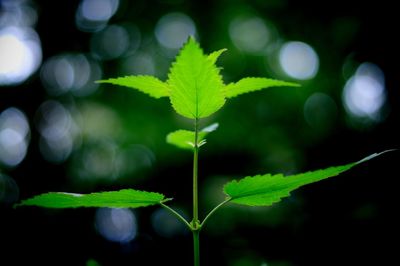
59,131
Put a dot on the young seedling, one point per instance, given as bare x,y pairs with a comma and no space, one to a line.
196,90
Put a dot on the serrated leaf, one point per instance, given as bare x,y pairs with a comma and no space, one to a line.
147,84
196,88
125,198
215,55
264,190
251,84
185,139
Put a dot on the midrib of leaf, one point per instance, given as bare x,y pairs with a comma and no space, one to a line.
186,103
197,90
194,75
122,198
196,86
260,191
197,96
186,90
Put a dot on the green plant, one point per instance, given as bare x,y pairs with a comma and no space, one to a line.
196,91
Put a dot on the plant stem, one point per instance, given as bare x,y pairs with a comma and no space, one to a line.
195,224
214,210
195,174
180,217
196,247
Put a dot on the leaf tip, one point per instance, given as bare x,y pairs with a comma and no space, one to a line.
374,155
191,38
292,84
166,200
297,85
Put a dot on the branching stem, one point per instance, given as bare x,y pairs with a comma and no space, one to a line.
180,217
214,210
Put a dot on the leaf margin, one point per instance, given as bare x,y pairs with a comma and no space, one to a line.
278,196
147,84
94,200
252,84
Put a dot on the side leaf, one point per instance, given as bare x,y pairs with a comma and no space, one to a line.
147,84
125,198
264,190
181,138
250,84
185,139
196,86
215,55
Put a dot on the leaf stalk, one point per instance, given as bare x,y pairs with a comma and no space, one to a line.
180,217
214,210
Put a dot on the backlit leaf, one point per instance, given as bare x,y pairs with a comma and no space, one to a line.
250,84
185,139
196,87
264,190
147,84
125,198
214,55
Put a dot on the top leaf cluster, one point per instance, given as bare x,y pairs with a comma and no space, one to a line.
194,85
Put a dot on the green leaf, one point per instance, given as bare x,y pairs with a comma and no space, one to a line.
196,87
125,198
264,190
214,55
185,139
147,84
250,84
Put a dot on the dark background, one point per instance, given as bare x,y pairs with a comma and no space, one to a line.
347,220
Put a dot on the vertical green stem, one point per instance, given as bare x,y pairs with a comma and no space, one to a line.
195,175
196,247
195,222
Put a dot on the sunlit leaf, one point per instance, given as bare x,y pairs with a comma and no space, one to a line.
264,190
185,139
196,87
251,84
215,55
147,84
125,198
